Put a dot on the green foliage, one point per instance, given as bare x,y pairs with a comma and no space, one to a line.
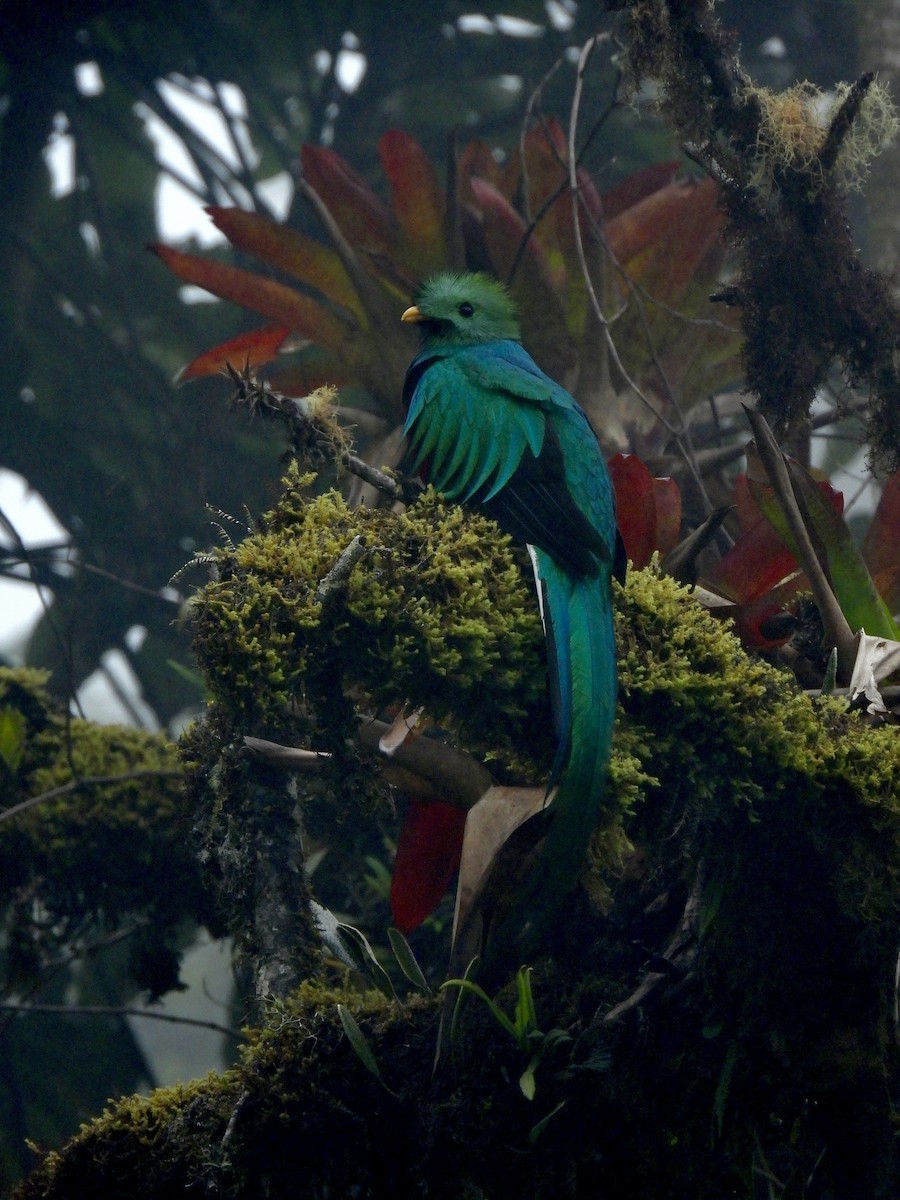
92,855
522,1027
781,812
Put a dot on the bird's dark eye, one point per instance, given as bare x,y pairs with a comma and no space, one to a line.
466,309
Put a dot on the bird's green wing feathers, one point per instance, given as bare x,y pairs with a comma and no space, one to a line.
472,430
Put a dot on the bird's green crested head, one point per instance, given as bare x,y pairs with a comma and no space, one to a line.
464,310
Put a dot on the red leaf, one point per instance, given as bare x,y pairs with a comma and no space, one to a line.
476,158
756,562
759,559
663,239
417,198
290,250
667,496
428,854
881,545
547,335
363,218
281,304
635,506
247,349
637,187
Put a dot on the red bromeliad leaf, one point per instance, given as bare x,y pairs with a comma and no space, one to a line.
881,545
662,240
756,562
637,187
767,623
476,158
289,250
247,349
667,498
543,319
282,305
428,854
417,200
363,218
635,506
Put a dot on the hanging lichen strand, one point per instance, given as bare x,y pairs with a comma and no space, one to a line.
784,162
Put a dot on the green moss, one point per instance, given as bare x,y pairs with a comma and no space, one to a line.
436,609
780,812
93,855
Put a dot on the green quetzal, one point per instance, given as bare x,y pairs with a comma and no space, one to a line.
494,432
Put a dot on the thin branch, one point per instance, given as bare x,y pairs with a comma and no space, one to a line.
104,1010
307,423
336,579
88,781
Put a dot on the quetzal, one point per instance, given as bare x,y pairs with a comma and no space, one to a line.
496,433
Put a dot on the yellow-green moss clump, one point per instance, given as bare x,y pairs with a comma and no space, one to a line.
114,847
436,613
767,1044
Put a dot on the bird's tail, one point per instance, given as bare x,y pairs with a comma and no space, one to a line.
581,651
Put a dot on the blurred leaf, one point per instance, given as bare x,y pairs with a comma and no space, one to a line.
13,729
363,218
853,586
635,506
252,349
881,545
289,250
281,304
428,854
417,200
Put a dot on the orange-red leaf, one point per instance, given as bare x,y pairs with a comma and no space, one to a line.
247,349
281,304
637,187
428,854
476,158
417,199
362,217
289,250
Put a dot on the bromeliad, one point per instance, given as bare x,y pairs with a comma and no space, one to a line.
495,432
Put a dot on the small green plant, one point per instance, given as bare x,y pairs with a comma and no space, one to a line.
522,1027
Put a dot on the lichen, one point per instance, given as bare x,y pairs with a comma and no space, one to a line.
794,124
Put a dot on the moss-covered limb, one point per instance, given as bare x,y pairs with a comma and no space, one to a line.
807,300
95,856
249,836
767,1046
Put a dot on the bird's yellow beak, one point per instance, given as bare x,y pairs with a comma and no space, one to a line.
413,314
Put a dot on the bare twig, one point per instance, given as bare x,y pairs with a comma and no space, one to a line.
89,781
307,424
104,1010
